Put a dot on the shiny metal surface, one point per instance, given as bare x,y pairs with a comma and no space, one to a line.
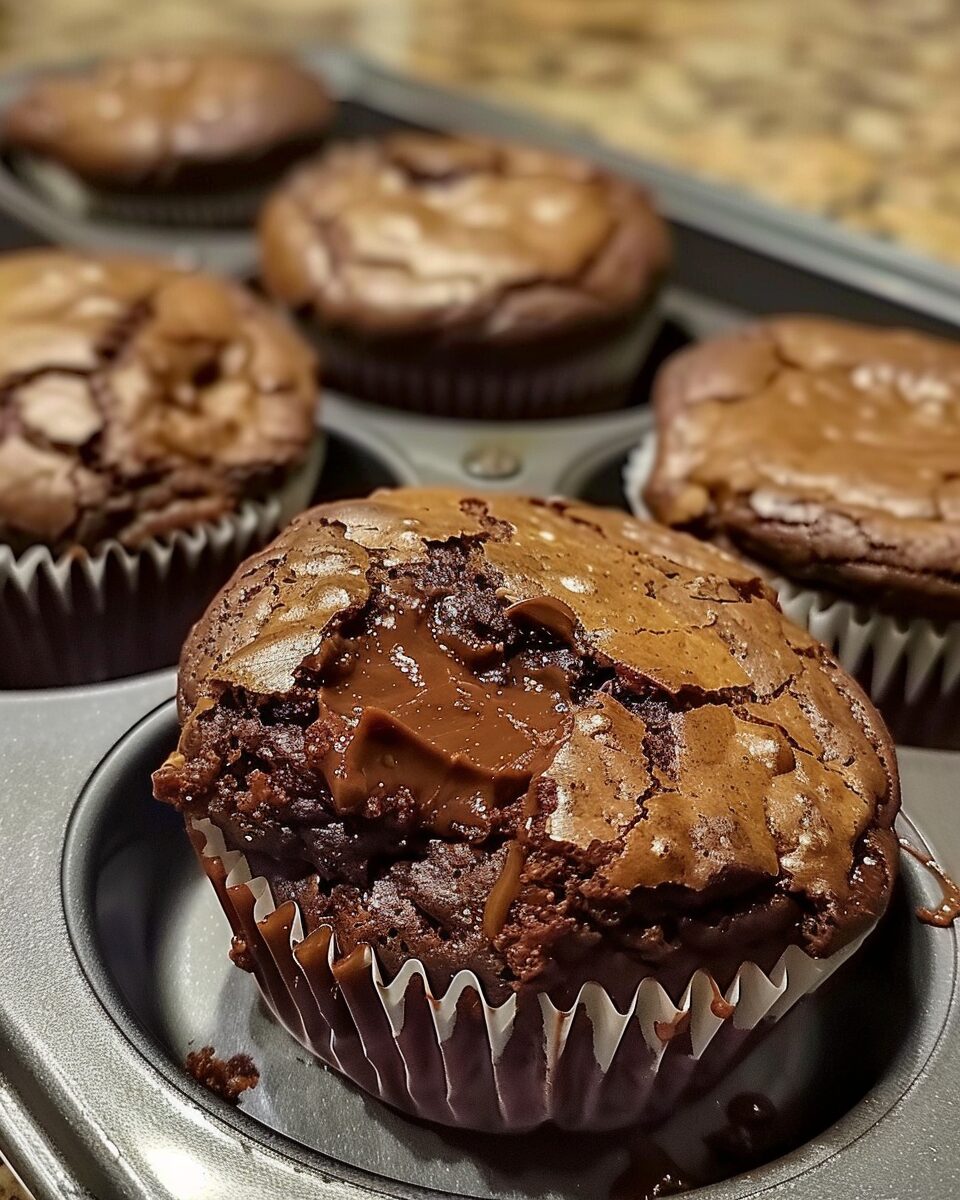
547,456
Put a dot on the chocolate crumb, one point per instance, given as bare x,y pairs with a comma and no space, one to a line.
227,1078
651,1174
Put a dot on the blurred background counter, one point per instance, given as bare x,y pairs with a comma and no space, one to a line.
845,108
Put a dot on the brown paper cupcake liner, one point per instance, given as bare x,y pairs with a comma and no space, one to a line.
580,381
83,617
455,1059
919,655
65,191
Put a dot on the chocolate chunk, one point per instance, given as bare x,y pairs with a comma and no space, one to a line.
670,776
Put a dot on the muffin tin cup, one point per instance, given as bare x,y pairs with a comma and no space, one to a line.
455,1059
81,617
919,657
573,382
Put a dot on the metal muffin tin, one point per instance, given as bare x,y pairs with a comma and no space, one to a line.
112,949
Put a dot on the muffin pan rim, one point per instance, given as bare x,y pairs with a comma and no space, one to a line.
863,1118
560,464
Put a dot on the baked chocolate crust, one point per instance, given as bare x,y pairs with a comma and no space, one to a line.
459,239
172,119
827,450
538,740
136,399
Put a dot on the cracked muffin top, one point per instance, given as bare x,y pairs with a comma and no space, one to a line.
827,450
171,117
464,237
136,399
543,741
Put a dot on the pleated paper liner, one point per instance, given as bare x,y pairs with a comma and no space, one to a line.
233,207
456,1059
571,382
896,658
84,617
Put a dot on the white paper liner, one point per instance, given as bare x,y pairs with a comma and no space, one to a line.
920,653
636,472
754,996
83,617
927,651
581,382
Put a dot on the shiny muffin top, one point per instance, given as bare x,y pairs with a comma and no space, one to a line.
464,237
137,398
507,734
130,121
828,450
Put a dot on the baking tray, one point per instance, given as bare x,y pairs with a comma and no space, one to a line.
112,953
805,260
735,257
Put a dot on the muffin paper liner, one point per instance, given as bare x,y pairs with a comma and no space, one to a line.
70,194
918,656
636,471
456,1059
80,617
586,381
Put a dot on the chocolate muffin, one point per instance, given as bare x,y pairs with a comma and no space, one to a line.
826,450
544,744
140,404
468,277
191,133
137,399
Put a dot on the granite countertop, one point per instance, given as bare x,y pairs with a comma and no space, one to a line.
846,108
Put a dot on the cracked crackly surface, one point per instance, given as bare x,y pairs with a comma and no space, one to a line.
157,119
464,238
136,398
539,740
830,451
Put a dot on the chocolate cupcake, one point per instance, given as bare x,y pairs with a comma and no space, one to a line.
173,136
525,811
829,453
467,277
155,425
